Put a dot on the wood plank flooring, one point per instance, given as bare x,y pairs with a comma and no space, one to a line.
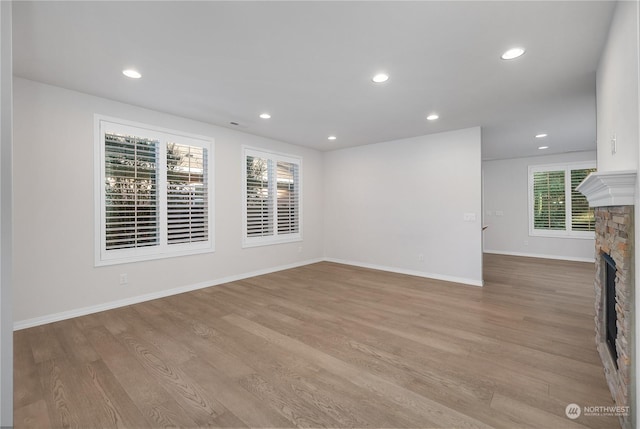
327,345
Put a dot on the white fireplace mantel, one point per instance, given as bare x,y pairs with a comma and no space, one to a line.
609,188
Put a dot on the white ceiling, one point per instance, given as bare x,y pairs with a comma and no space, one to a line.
309,64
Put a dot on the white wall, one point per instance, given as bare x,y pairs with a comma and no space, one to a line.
54,212
618,107
388,203
635,365
617,91
506,190
6,240
635,396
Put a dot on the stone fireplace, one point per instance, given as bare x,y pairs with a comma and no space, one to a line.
612,195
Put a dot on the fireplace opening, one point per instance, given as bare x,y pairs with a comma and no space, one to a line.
611,318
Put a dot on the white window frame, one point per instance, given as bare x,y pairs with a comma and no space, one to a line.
567,232
104,124
275,238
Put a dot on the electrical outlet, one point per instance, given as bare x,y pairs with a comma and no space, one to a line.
124,279
526,242
421,257
300,249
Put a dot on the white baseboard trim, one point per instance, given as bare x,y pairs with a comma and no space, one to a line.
466,281
64,315
56,317
541,256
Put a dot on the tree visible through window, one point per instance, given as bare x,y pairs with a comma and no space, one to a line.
272,184
155,193
259,197
582,217
556,208
187,194
131,192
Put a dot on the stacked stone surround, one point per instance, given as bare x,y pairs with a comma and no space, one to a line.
614,236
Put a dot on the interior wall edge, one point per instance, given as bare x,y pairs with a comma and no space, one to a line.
6,215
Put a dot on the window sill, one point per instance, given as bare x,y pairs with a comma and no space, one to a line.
563,234
102,261
261,241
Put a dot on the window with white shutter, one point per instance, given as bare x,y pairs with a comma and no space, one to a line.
187,194
288,197
556,209
154,193
272,194
259,197
131,192
582,217
548,200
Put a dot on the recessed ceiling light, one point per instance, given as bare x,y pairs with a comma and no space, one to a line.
133,74
331,138
380,77
265,115
541,136
432,117
512,53
543,147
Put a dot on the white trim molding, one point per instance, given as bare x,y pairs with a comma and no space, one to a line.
64,315
452,279
609,188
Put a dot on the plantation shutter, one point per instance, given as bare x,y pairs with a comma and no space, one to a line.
549,200
187,191
272,194
288,197
582,217
259,195
131,194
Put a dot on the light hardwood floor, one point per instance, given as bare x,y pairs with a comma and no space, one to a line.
327,345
